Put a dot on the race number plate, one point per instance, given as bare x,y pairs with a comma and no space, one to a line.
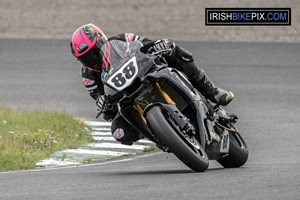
125,75
225,142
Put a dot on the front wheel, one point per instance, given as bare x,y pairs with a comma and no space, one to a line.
194,158
238,152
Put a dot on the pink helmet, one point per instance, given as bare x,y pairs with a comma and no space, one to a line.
86,44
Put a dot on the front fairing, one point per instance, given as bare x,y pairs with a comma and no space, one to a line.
125,63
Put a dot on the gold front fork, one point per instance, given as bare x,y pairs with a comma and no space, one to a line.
138,108
162,93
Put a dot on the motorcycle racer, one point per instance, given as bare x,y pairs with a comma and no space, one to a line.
86,43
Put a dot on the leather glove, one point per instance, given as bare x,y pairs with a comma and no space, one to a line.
102,105
163,47
100,101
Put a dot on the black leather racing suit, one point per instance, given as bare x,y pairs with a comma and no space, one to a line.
180,59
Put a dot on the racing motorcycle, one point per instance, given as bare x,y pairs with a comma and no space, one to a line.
163,106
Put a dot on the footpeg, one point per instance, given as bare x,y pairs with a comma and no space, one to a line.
226,116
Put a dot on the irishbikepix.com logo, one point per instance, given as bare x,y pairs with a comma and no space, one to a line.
248,16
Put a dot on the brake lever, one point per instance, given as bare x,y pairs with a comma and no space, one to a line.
164,63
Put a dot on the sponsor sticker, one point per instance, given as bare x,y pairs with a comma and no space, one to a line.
87,82
119,133
81,46
129,37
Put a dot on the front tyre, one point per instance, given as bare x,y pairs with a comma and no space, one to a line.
238,152
196,159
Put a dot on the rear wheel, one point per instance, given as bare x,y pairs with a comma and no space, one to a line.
188,149
238,152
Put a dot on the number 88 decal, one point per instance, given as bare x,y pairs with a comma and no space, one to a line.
124,76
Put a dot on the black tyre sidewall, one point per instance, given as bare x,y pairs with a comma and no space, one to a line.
172,140
237,156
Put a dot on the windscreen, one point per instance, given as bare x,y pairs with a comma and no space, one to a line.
116,53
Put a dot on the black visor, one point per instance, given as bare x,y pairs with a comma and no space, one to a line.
91,59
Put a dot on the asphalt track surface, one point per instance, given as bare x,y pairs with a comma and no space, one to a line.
265,77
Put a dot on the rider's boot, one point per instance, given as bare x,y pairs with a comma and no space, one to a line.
216,94
201,82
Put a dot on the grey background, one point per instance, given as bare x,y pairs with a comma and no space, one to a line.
177,19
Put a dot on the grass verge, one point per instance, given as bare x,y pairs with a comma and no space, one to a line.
29,136
148,149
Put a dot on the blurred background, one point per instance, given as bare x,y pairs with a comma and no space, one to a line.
177,19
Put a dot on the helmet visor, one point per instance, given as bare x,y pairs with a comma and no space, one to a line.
91,59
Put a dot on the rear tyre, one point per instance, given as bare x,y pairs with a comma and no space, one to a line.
196,159
238,152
